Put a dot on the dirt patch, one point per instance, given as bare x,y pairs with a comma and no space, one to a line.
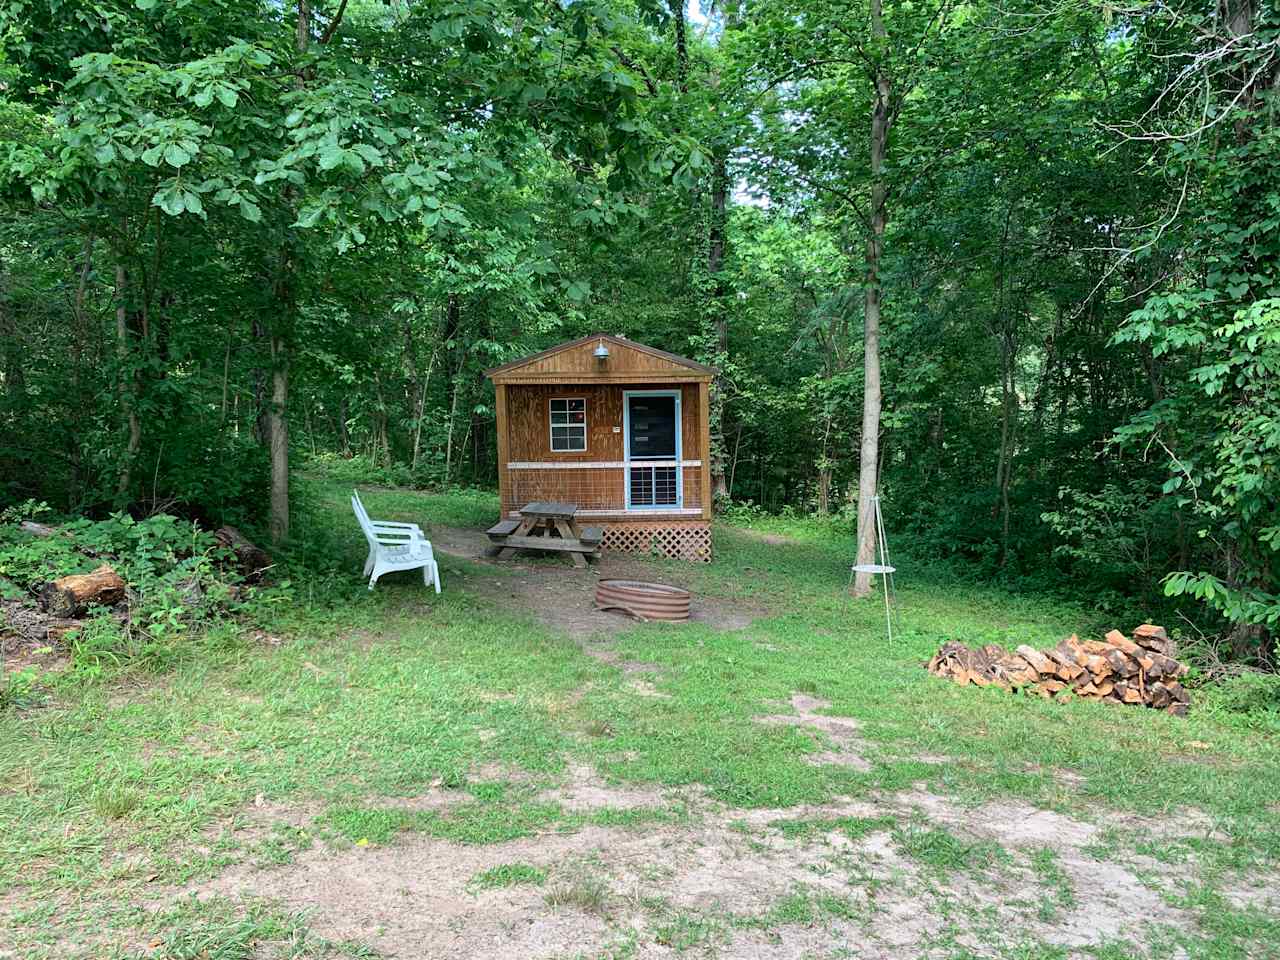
585,791
1113,903
842,732
563,596
734,880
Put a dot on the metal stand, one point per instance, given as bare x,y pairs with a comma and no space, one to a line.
883,568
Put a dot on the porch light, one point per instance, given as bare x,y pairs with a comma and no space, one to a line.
601,353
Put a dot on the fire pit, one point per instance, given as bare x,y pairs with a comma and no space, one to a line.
644,601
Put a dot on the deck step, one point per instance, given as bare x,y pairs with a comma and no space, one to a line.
502,529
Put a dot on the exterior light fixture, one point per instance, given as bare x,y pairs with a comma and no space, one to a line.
601,353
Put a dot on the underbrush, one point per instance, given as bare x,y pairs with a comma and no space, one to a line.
181,585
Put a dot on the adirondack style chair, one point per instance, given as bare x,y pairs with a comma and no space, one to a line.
395,546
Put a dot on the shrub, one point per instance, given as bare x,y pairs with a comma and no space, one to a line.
1249,699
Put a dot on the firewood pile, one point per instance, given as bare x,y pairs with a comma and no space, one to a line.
1140,669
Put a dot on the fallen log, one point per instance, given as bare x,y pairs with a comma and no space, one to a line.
251,559
71,596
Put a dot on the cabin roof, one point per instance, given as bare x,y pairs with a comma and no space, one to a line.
573,362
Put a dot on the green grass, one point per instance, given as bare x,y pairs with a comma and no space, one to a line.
508,875
943,851
373,698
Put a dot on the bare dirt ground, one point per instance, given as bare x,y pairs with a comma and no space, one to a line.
562,596
714,882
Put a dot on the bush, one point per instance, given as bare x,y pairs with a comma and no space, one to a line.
178,579
1250,700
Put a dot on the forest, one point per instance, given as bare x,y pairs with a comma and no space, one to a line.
1012,264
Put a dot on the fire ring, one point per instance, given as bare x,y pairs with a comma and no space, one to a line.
642,600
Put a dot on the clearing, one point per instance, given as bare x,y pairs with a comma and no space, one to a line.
503,772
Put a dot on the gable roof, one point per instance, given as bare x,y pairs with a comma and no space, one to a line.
574,362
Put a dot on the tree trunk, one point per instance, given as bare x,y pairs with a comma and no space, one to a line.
278,422
14,378
682,45
261,421
715,264
128,386
420,409
344,436
824,472
868,468
453,415
281,334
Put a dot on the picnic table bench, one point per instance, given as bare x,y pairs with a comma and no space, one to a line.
546,525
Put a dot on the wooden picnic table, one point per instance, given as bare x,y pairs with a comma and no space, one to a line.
546,525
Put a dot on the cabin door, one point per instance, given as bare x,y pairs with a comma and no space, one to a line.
653,449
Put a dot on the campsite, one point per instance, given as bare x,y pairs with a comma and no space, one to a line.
617,480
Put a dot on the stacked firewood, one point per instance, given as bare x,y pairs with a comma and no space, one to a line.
1138,669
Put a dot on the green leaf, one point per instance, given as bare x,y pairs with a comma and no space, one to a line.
250,211
331,156
175,156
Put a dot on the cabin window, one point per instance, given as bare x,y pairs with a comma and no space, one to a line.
568,425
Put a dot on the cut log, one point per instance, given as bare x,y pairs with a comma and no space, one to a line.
1153,638
1121,665
1099,666
251,559
1166,666
1159,695
37,529
1178,709
71,596
1118,640
1039,662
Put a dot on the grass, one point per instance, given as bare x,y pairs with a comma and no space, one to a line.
588,894
508,875
133,782
942,851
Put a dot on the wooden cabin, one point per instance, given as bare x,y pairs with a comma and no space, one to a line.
620,429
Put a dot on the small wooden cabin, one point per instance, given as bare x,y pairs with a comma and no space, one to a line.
616,427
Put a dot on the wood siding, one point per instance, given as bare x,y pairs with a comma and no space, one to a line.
527,441
529,428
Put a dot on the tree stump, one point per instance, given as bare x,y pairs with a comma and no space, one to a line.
71,596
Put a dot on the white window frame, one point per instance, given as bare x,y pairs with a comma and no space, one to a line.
551,424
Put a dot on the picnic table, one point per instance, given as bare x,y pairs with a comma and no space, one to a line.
546,525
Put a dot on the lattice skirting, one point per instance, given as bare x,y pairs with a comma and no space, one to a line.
680,541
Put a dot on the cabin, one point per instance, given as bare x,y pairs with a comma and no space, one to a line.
619,429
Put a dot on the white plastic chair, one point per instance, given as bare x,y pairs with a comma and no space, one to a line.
395,546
